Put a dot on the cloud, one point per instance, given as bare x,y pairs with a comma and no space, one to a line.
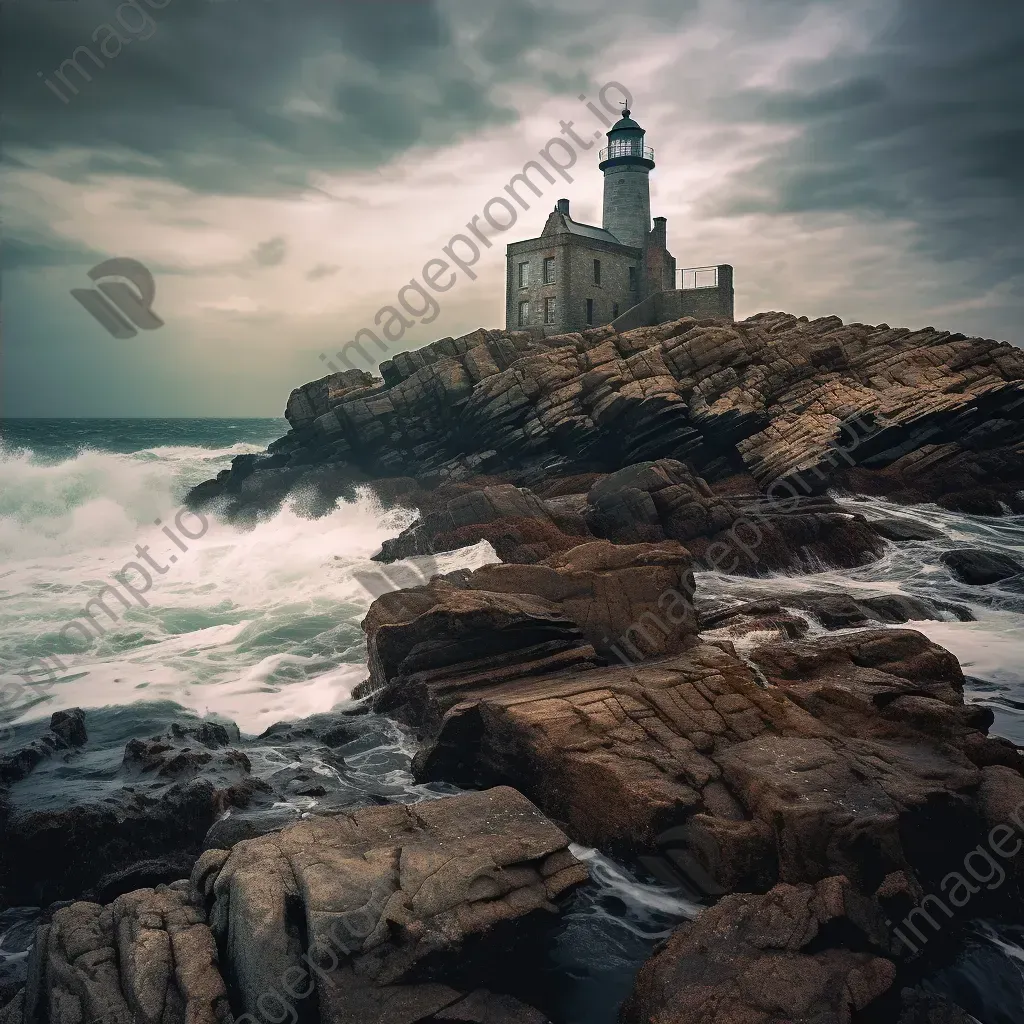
272,252
322,270
251,95
859,157
924,126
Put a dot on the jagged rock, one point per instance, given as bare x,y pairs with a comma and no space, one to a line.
451,637
648,502
860,741
980,567
759,959
149,956
66,732
799,404
902,530
171,790
380,911
311,401
69,727
608,589
656,500
144,822
975,475
427,644
519,526
791,535
831,610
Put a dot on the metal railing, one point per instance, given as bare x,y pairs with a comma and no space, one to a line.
627,147
698,277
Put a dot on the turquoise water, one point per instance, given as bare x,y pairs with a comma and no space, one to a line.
256,624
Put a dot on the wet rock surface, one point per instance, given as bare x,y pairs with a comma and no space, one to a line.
980,567
760,959
389,915
776,770
82,822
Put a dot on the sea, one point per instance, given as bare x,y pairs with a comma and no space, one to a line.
259,624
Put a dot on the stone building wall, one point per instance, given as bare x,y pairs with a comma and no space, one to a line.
662,307
574,281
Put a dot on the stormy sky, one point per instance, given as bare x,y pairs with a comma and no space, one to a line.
284,167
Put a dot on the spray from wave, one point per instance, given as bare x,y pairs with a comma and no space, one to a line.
257,625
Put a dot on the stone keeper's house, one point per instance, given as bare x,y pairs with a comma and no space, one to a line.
576,276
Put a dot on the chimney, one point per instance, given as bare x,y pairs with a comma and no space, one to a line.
659,236
562,206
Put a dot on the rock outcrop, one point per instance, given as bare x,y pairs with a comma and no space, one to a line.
794,403
171,796
791,756
861,741
148,956
385,913
168,792
744,534
390,915
760,959
429,644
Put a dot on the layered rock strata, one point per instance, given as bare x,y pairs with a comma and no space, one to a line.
796,404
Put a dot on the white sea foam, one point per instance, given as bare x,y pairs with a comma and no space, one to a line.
257,624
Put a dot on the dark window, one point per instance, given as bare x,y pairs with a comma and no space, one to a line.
597,271
615,310
549,270
549,310
632,279
524,314
590,311
524,274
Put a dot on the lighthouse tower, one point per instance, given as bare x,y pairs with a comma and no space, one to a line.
627,164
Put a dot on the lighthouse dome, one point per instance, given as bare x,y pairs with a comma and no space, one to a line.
625,123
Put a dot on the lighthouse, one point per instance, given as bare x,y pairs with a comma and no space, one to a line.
576,276
627,164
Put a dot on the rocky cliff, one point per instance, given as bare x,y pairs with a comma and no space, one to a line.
789,404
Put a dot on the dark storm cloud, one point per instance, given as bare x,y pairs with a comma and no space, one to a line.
927,126
15,253
249,96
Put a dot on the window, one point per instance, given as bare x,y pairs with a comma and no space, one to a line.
524,314
615,310
632,279
524,275
590,311
549,310
549,270
625,147
597,271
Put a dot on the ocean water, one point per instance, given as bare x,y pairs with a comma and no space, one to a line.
261,624
257,625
